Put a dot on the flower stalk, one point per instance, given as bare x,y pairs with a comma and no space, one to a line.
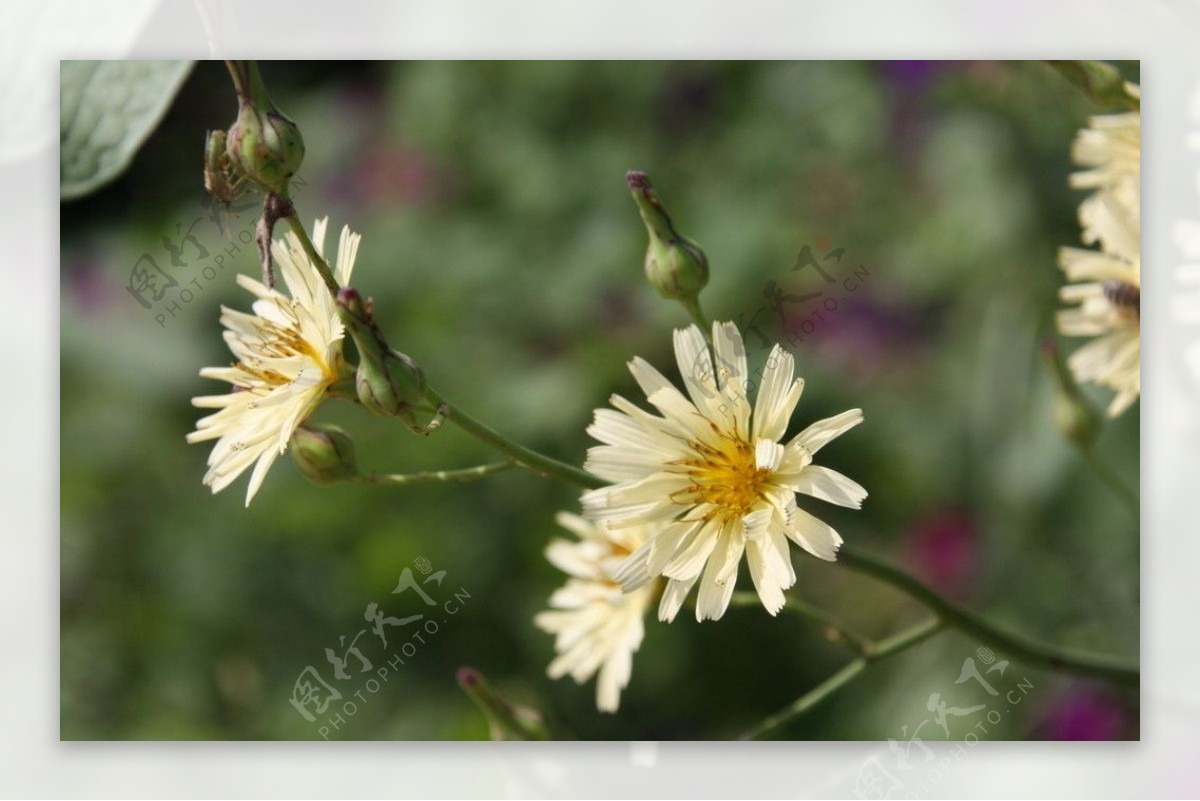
882,650
460,475
1019,646
319,263
523,457
831,627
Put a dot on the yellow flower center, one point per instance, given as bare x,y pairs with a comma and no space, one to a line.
282,342
725,476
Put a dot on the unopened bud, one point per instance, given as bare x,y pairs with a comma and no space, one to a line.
675,266
1073,415
506,721
388,382
263,145
324,454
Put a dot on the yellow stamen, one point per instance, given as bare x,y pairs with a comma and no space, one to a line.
726,477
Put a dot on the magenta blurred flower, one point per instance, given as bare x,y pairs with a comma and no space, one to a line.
1085,712
943,548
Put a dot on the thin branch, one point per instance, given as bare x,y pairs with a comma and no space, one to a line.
311,251
523,457
1012,644
880,651
463,474
834,629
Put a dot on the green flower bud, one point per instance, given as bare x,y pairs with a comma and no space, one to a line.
263,144
675,266
324,454
1073,415
388,382
266,147
506,721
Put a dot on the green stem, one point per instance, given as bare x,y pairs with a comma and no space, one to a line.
247,82
1015,645
1012,644
692,304
878,652
833,629
1110,477
523,457
311,252
435,476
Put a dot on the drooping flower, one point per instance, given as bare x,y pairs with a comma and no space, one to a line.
289,353
1105,288
597,626
714,477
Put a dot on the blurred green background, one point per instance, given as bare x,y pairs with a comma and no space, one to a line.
504,255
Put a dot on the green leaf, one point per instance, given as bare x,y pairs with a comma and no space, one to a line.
108,110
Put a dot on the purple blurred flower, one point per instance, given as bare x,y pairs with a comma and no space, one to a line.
88,283
911,76
943,548
871,338
1085,712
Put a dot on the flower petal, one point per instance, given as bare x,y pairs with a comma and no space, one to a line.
818,435
830,485
777,397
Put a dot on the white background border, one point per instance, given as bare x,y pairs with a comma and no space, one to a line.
1164,34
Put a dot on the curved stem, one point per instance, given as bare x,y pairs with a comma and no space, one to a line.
1016,645
311,252
1012,644
833,629
878,652
435,476
1110,477
523,457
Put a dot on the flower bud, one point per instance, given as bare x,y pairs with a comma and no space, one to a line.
263,144
1073,415
506,721
266,147
324,454
675,266
388,382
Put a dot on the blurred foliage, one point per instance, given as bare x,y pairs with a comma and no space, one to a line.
504,255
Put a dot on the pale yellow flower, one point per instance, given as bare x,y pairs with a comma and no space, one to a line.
597,626
1106,309
1111,150
713,475
288,352
1105,288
